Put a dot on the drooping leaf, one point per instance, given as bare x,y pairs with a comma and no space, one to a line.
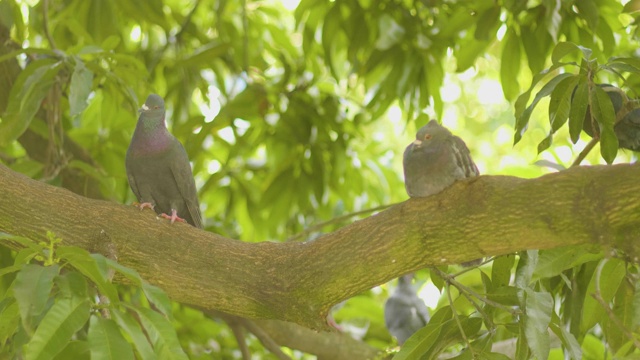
83,262
539,307
81,82
25,98
602,110
131,327
510,65
57,327
107,343
32,287
523,120
161,333
579,105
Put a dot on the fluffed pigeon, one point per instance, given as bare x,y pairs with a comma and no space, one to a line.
435,160
404,312
158,167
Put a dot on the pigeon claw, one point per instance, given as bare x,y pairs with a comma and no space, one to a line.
144,205
173,217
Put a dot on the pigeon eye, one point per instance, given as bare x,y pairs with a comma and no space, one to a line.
427,136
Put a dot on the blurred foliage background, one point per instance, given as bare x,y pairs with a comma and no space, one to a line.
297,113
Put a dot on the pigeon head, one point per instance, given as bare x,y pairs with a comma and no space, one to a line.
431,133
153,106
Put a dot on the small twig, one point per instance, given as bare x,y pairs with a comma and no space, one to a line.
177,37
585,151
457,318
265,339
45,11
464,289
336,220
461,288
236,328
245,38
612,316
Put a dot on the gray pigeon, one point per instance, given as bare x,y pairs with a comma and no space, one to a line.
404,312
435,160
158,167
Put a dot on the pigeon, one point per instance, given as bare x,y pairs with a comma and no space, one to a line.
627,126
435,160
158,168
404,312
628,130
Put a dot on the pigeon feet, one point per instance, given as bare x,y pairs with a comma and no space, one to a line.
173,217
143,205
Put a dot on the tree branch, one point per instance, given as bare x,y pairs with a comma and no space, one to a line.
300,282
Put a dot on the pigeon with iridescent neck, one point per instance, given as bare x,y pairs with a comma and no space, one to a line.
158,168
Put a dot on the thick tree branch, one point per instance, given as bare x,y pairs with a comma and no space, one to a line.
299,282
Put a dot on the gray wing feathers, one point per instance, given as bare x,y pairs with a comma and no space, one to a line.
181,170
462,156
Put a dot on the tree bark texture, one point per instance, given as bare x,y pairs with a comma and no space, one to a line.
300,281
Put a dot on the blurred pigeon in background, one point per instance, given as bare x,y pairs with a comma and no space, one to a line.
404,312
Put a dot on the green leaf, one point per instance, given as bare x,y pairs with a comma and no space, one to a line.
579,105
110,43
436,279
563,49
555,261
420,342
72,284
83,262
526,267
501,270
9,320
488,23
505,295
466,55
610,278
81,83
631,7
560,102
131,327
31,288
588,10
29,245
204,55
154,294
62,321
510,65
25,98
107,343
523,120
539,307
162,335
568,340
602,110
545,143
76,350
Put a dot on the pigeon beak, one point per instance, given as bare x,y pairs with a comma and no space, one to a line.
143,108
417,142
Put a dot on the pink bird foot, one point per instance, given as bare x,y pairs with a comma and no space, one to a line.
173,217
